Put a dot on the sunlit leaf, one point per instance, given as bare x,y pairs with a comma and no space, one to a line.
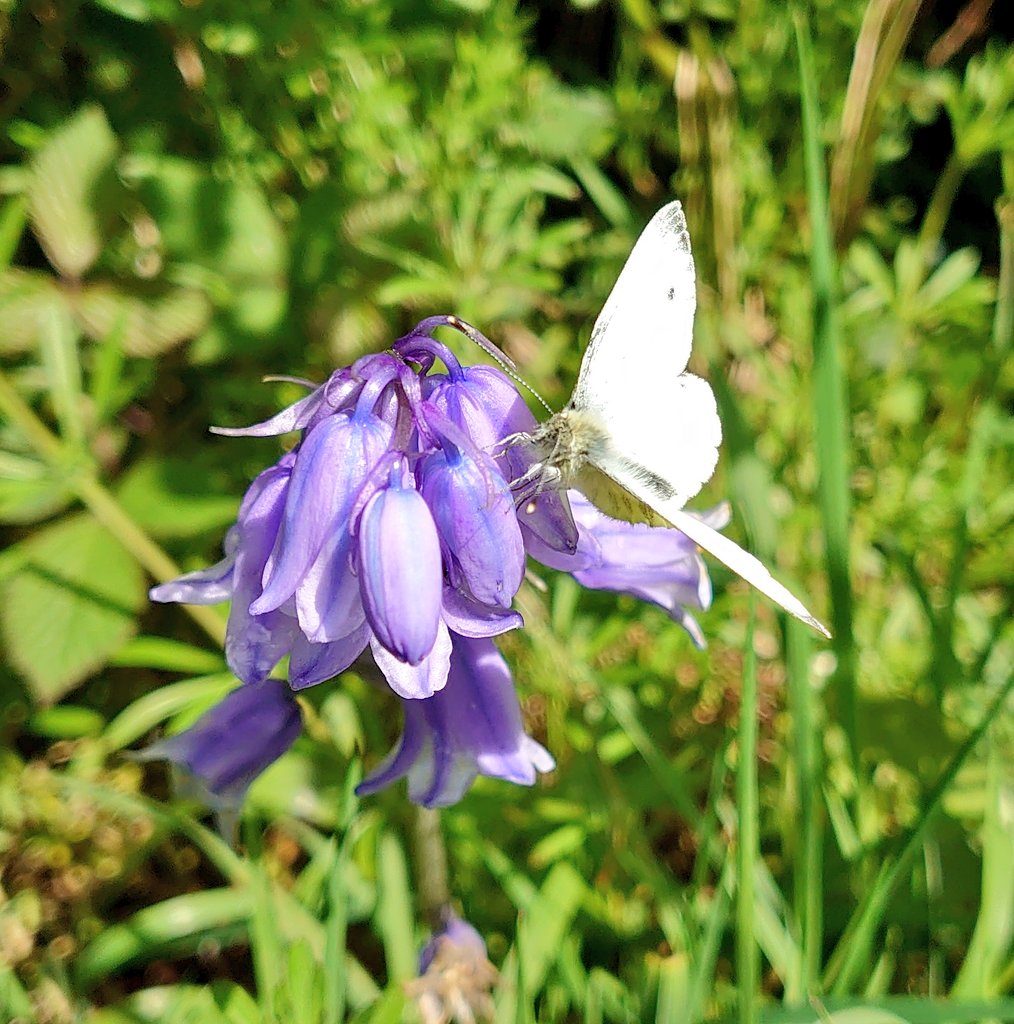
69,606
71,191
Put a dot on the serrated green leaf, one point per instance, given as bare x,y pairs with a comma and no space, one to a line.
26,298
70,187
71,604
150,316
59,351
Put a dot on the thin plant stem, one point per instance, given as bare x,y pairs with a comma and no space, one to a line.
806,754
939,208
1003,317
747,838
102,505
831,414
431,865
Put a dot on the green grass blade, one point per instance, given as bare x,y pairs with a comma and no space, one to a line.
394,909
994,928
832,417
854,947
747,838
808,880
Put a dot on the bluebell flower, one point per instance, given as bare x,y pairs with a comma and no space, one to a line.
230,745
392,527
655,564
319,566
399,558
456,978
471,727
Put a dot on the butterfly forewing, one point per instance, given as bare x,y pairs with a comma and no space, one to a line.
648,319
662,424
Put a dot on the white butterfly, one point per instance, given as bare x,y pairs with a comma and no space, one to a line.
640,435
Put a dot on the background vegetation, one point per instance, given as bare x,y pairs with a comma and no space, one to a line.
193,195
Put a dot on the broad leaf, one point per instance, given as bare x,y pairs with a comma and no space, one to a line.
151,317
25,300
69,606
71,191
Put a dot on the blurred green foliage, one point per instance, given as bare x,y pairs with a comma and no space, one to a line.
196,194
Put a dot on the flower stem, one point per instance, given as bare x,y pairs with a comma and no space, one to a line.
102,505
431,865
939,207
747,838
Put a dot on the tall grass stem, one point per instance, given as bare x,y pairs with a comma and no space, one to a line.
832,417
747,838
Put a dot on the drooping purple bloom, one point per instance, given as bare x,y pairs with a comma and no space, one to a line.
475,516
333,463
655,564
472,727
399,560
230,745
392,527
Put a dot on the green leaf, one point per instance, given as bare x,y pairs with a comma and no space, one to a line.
167,655
28,493
547,920
59,351
151,317
66,721
70,605
225,231
394,909
174,927
153,708
388,1009
26,298
141,10
71,191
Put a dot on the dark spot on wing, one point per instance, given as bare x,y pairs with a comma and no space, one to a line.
652,481
672,294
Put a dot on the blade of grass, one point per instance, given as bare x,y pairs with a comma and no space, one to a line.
336,919
394,909
1003,317
994,927
808,881
703,972
266,948
832,419
854,947
335,929
747,838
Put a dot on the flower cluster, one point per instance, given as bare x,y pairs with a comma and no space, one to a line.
392,526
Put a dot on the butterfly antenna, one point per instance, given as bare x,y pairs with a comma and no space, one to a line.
505,362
